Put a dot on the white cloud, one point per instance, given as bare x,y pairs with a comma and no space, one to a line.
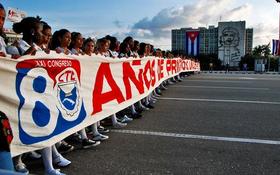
264,32
202,13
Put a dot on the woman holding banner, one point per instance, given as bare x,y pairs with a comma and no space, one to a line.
32,37
3,52
88,46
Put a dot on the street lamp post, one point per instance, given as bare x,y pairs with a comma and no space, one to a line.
278,1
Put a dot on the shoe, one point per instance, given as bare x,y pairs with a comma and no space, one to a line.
150,106
157,95
76,138
61,161
170,83
143,107
153,101
34,155
87,143
65,147
54,172
146,109
119,125
158,92
139,110
163,87
153,98
136,116
103,130
21,168
100,137
126,119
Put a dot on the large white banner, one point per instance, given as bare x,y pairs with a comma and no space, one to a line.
48,97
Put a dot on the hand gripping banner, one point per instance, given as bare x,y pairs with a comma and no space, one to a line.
47,97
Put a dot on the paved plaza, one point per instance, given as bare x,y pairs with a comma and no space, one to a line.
207,124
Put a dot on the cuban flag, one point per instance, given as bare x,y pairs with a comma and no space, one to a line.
192,43
275,47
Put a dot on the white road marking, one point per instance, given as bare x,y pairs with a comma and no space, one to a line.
221,81
224,101
201,137
247,78
222,87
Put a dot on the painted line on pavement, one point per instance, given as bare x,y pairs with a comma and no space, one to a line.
201,137
221,81
224,101
222,87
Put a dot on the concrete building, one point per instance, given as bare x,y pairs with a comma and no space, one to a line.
208,40
249,41
179,39
230,41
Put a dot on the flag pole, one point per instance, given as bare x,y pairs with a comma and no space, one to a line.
278,53
278,1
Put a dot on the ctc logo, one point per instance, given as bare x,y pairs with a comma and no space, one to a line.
50,102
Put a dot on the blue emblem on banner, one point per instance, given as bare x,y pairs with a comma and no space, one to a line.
49,100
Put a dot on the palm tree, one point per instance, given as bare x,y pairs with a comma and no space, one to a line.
262,50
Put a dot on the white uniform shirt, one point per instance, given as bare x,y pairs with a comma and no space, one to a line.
135,54
2,45
74,51
114,54
24,46
122,55
62,50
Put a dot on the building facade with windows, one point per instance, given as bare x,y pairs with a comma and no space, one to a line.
208,40
249,41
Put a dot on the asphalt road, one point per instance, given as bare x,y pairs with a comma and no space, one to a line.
207,124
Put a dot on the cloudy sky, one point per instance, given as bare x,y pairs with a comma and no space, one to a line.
151,20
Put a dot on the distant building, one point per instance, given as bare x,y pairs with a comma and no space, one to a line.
208,40
230,41
11,36
249,41
179,39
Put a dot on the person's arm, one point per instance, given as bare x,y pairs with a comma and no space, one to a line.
66,52
30,51
2,54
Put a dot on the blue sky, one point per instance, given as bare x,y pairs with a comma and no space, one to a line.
151,20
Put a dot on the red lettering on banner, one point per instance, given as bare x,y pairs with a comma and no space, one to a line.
149,67
181,65
153,73
160,69
129,74
184,65
178,64
188,65
192,65
173,67
146,69
99,98
67,76
136,62
168,66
